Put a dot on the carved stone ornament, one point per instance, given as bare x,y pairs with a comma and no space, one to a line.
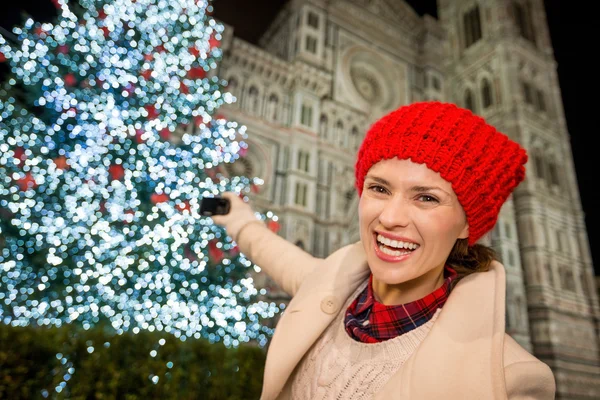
365,83
241,167
371,81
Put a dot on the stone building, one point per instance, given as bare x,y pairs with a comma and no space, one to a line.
324,70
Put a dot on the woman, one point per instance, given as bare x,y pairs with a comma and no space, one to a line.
416,309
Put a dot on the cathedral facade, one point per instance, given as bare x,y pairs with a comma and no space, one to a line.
326,69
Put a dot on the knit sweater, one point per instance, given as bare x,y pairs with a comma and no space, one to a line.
339,367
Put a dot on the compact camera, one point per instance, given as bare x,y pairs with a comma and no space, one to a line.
214,206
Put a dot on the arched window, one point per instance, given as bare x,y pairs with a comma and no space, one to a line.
523,16
272,108
486,94
233,88
232,85
253,100
469,100
539,166
339,132
306,113
323,126
472,26
355,140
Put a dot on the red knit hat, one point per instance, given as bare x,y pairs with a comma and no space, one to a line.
483,165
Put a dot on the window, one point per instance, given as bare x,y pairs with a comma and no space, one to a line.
306,162
311,44
313,20
541,103
303,160
319,205
300,198
253,100
272,107
527,93
524,21
539,166
486,93
354,138
553,172
469,100
472,26
232,85
511,258
436,83
306,116
297,198
323,126
496,232
339,132
567,279
507,230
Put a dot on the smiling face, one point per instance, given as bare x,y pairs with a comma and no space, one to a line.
409,220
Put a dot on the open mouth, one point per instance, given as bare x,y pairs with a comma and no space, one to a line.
395,248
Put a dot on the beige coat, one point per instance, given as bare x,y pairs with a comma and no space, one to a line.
466,355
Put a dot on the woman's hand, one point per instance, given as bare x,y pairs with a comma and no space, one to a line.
240,214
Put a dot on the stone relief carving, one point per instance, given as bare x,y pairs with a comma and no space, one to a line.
365,83
370,82
241,167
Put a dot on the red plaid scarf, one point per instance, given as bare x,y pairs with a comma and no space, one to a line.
369,321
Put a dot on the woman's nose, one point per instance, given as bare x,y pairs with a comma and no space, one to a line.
395,213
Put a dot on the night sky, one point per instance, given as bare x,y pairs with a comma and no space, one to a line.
570,27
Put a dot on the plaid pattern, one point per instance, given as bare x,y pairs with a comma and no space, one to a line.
369,321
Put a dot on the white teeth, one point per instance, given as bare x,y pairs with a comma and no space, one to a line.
396,243
393,253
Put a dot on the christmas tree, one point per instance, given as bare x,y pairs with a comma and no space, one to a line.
109,138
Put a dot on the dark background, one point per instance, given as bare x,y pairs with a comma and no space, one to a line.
570,26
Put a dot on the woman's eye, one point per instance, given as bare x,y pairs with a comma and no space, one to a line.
428,199
377,188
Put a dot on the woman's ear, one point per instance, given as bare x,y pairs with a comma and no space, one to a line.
465,232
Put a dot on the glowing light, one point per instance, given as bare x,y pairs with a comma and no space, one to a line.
100,182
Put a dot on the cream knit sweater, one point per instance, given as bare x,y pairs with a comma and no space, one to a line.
338,367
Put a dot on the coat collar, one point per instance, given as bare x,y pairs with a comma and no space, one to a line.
470,328
469,331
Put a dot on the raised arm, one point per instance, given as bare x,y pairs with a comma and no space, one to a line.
284,262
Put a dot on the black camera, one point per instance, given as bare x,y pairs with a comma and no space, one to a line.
214,206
